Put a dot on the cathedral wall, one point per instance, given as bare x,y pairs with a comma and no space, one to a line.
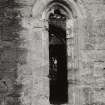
24,58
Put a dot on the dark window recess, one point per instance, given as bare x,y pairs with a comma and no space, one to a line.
57,59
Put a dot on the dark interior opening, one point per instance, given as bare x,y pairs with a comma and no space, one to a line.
57,58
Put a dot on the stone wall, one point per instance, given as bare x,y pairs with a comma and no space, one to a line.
11,54
24,65
91,58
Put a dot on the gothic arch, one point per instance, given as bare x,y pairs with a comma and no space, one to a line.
43,7
69,13
70,9
53,5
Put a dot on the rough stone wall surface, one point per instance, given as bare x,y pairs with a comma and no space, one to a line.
10,52
91,56
24,54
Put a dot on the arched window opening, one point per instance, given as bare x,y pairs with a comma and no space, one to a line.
58,58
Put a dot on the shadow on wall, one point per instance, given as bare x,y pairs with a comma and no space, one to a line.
9,52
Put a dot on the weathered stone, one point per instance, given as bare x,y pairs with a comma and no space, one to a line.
24,52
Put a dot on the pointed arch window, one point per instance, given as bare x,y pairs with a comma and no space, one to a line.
58,58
